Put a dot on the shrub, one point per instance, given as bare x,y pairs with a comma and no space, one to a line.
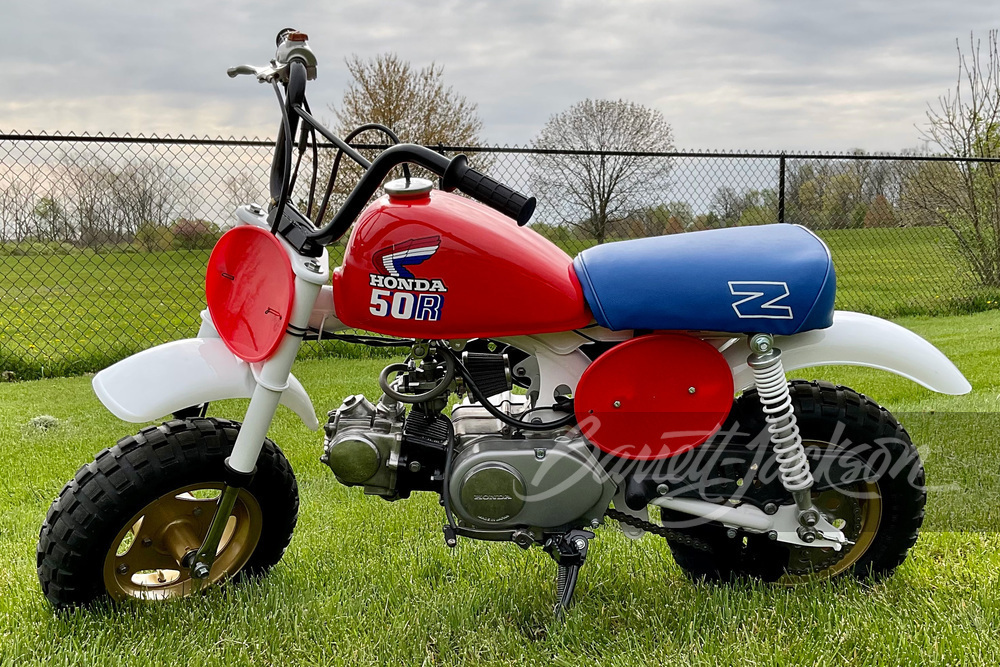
153,238
554,233
32,248
194,234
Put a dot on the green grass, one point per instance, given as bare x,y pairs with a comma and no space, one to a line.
369,582
70,314
66,314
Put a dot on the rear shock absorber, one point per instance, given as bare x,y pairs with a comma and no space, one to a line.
782,425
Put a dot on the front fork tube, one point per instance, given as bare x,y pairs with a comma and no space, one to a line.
272,380
782,425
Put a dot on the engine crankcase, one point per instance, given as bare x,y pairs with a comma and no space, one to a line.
500,483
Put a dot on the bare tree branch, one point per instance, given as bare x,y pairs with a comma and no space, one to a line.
965,123
592,192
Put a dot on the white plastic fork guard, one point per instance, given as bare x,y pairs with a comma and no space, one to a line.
161,380
860,340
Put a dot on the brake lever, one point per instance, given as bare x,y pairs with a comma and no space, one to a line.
263,74
234,72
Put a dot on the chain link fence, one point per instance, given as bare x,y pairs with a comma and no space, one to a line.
103,240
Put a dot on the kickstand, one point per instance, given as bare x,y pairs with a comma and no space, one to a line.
569,551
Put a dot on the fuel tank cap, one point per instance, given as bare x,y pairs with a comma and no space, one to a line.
412,188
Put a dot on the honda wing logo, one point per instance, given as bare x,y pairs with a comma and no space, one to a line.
399,294
761,299
394,260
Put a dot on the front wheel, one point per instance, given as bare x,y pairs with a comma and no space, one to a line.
126,524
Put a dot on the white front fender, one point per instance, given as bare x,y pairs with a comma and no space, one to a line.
170,377
860,340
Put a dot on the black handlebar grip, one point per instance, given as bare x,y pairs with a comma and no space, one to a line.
484,189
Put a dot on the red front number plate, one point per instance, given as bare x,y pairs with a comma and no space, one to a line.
250,287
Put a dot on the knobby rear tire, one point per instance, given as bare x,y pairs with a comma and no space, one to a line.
819,406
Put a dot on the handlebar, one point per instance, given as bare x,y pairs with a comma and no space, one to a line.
370,182
294,65
484,189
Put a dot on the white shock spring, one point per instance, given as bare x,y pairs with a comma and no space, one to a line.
769,376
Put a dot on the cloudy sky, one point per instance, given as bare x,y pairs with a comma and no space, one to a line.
757,74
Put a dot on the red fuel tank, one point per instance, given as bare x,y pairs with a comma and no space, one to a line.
436,265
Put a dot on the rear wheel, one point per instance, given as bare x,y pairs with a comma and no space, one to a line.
126,525
881,516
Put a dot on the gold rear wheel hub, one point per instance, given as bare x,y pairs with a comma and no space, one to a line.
858,514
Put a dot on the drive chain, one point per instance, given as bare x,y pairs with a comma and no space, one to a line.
662,531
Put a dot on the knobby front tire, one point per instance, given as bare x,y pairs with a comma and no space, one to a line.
121,526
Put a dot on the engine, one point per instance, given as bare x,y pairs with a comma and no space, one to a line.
498,481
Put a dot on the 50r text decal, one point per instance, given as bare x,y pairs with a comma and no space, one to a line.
406,305
399,294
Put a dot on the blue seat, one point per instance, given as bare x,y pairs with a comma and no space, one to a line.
775,279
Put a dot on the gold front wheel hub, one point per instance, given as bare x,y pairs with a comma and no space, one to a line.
150,557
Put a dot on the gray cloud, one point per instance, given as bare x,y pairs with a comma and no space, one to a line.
766,74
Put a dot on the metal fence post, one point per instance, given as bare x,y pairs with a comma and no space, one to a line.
781,188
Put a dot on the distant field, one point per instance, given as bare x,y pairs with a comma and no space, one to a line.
69,314
66,314
912,271
893,272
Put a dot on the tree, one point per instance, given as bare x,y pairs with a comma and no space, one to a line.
965,124
90,188
760,207
670,218
710,220
242,188
594,189
144,192
880,214
728,205
50,219
17,207
153,238
188,234
415,104
840,198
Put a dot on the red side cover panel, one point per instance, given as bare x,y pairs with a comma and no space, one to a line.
442,266
654,396
249,286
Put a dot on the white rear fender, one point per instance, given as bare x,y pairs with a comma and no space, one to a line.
170,377
860,340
